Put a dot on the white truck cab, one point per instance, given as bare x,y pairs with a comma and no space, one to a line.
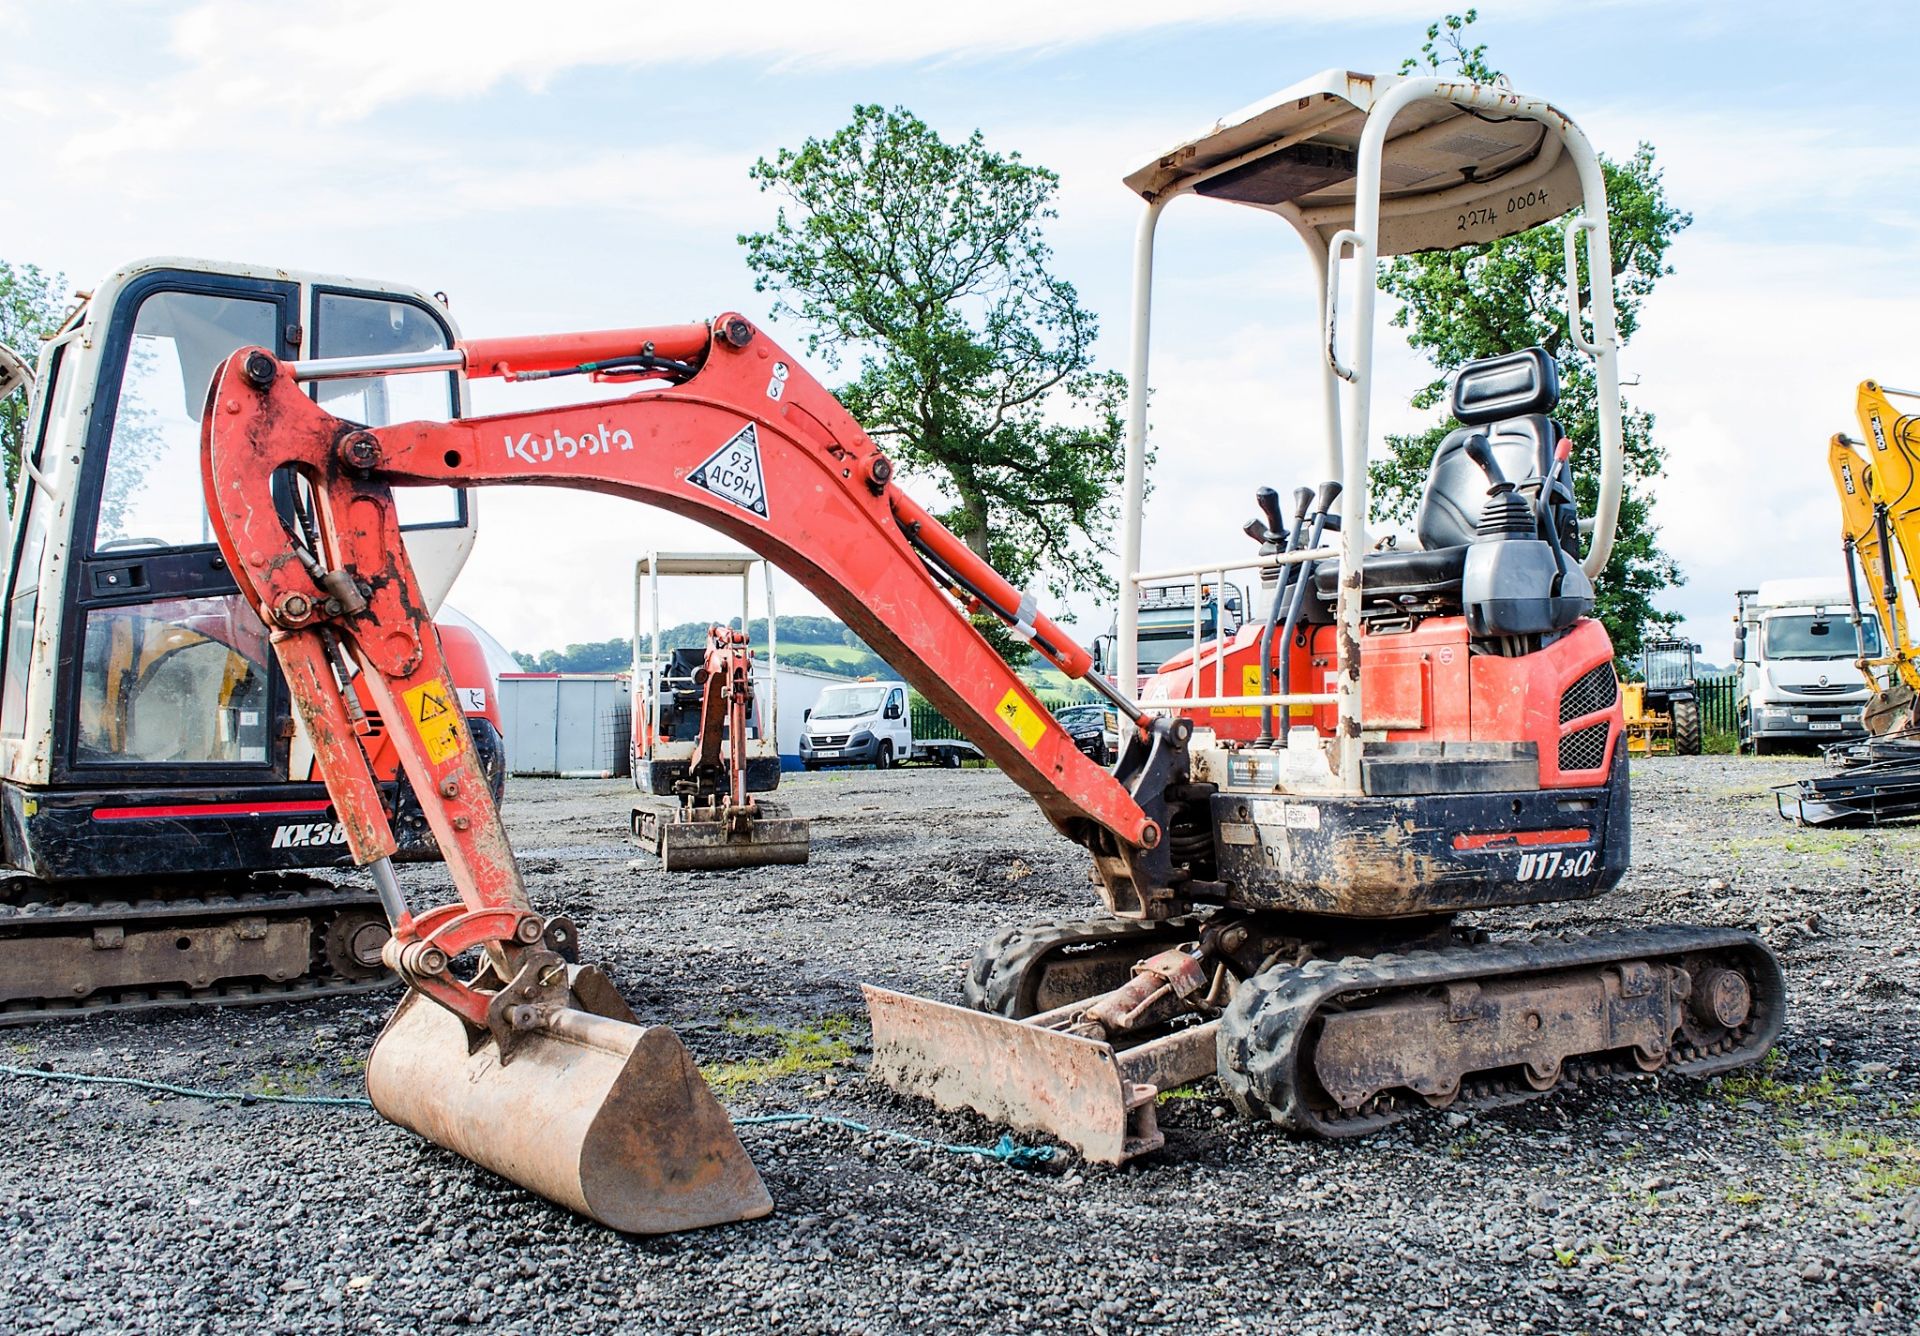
1794,646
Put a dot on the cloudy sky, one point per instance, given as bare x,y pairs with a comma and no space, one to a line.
584,165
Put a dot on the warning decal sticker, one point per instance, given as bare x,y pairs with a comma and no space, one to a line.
733,472
1021,717
437,722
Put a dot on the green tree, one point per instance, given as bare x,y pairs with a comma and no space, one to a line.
927,262
1482,300
31,305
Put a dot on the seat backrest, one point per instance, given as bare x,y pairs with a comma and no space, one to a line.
1506,398
1457,488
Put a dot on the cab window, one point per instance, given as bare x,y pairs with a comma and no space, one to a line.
150,496
348,325
176,681
34,516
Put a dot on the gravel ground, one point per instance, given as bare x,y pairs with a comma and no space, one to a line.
1785,1199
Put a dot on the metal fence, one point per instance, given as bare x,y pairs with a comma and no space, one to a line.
930,723
1718,699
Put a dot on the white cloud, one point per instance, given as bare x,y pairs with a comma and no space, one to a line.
346,58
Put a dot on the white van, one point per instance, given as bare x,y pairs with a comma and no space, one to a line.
868,723
1794,648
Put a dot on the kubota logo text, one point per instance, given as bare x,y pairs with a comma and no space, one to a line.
541,449
309,834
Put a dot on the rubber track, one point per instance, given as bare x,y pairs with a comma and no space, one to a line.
996,979
317,903
1263,1030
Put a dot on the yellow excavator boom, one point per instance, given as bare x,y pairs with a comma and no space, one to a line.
1878,483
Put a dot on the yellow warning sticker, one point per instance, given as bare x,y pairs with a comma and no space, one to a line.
1021,717
435,719
1250,686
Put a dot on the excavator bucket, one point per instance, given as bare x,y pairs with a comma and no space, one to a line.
1097,1098
593,1111
770,838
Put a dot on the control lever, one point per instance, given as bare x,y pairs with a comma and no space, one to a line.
1296,603
1269,502
1480,452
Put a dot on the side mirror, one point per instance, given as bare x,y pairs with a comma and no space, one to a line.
1740,645
893,710
805,715
1098,667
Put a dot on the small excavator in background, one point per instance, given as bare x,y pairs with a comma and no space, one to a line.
1877,480
157,802
1300,815
702,737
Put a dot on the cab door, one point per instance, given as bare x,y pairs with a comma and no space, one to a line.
166,674
894,725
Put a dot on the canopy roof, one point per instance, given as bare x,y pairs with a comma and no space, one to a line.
696,563
1450,176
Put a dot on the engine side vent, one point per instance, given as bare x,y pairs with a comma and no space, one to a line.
1586,748
1595,689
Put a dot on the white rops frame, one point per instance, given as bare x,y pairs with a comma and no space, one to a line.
765,740
1321,112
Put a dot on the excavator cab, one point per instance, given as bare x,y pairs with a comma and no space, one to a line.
148,751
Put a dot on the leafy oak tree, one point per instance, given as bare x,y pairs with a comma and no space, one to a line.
30,305
1486,299
925,262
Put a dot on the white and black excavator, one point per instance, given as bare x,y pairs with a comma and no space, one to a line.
159,807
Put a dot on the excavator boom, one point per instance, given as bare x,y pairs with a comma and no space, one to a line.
1878,484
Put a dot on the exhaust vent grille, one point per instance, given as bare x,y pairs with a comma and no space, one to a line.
1586,748
1595,689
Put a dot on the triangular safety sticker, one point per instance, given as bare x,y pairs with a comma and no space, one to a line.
733,472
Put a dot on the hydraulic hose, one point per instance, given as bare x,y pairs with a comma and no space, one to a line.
1324,522
1289,542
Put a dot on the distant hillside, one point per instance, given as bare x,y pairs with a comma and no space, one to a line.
819,643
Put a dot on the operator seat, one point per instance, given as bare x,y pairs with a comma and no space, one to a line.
1503,401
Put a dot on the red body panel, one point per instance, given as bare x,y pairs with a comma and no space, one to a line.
1424,685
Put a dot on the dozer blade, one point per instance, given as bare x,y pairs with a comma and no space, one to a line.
600,1115
1097,1099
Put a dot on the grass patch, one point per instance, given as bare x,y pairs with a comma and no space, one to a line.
1718,742
1188,1091
1882,1164
800,1052
1760,1083
296,1079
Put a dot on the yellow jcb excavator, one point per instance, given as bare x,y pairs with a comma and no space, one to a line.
1878,482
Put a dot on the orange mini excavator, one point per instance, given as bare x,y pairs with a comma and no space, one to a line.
1300,813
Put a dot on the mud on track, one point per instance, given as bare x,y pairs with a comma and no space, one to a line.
1789,1199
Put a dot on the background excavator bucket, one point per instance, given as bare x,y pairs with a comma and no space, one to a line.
683,846
599,1114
